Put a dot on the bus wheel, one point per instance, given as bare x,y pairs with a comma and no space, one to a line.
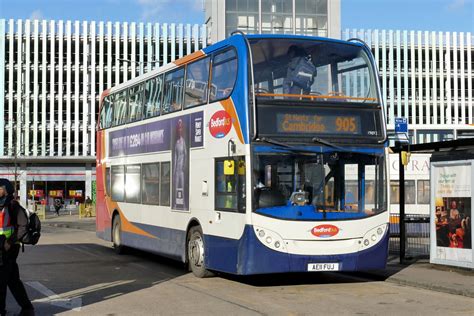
117,236
196,253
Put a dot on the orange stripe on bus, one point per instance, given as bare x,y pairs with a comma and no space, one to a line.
229,107
188,58
126,225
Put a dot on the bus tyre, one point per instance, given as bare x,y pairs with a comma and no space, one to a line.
196,253
117,236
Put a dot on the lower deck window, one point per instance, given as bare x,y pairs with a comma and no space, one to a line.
230,184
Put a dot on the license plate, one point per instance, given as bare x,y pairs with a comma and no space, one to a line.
323,266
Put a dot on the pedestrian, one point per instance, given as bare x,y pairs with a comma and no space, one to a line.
88,207
14,224
57,205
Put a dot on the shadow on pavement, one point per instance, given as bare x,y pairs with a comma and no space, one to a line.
89,272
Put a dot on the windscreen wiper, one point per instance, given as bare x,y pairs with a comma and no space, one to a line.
326,143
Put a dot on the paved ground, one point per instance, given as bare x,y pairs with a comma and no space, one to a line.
72,272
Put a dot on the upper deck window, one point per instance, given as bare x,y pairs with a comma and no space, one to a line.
197,78
173,91
224,75
120,108
136,102
153,94
314,71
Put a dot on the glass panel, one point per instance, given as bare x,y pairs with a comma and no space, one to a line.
423,192
197,77
173,91
226,201
312,71
165,184
135,101
230,188
120,108
153,93
107,181
132,183
327,184
109,112
224,75
118,183
151,184
410,193
103,112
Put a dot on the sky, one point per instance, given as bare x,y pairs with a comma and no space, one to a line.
425,15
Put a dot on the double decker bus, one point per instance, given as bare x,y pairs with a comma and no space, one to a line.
227,160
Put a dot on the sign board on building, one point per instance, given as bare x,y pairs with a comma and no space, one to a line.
451,213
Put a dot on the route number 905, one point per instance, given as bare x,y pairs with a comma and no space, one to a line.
346,124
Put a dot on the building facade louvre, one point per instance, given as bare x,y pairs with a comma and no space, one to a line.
51,76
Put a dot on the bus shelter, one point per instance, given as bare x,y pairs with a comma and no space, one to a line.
451,185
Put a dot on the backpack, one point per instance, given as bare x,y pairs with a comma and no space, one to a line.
33,227
33,233
303,74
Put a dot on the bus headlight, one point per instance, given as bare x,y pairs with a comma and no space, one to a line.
270,239
373,236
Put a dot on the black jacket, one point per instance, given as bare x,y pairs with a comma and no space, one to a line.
18,220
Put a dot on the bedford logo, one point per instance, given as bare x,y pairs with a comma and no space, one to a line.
325,231
220,124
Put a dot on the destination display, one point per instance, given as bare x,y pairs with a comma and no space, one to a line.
301,123
279,121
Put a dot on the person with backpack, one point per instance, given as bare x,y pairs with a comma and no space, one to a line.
300,73
14,226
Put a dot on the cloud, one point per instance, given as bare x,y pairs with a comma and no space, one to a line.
36,15
456,5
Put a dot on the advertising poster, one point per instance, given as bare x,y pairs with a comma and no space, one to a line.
451,241
180,163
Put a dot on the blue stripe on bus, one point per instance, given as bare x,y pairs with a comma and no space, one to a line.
306,212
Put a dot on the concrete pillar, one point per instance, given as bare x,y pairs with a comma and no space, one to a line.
22,176
88,192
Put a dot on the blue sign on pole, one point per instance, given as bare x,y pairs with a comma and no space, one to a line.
401,125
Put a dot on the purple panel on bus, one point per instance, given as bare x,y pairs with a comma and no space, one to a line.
152,137
197,129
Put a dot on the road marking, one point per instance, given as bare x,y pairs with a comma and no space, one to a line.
52,298
71,300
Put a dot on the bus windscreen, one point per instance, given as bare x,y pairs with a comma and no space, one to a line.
312,71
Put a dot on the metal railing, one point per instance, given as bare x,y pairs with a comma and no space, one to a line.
417,240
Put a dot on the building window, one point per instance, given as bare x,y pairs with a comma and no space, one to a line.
423,195
224,75
241,15
153,94
151,184
173,91
132,184
277,16
197,81
410,193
